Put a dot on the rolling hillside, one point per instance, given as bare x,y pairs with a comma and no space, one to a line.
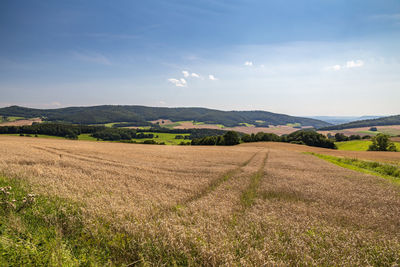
391,120
142,114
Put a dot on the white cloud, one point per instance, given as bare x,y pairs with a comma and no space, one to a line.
195,75
262,66
179,83
349,64
212,77
185,73
248,63
162,102
354,64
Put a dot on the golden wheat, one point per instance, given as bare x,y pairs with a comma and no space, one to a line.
252,205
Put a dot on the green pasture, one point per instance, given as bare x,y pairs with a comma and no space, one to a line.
358,145
9,119
167,138
293,124
246,124
38,136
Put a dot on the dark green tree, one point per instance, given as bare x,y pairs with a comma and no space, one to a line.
231,138
381,142
339,137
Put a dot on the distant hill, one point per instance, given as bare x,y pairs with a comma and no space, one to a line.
343,119
143,114
391,120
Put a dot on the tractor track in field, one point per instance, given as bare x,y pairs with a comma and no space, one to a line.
218,181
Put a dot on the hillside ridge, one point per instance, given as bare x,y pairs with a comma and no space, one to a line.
143,114
389,120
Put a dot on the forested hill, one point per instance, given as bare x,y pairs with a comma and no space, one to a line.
142,114
391,120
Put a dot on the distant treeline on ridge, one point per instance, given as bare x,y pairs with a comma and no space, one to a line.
391,120
141,115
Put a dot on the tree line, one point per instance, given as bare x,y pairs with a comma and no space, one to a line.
303,137
72,131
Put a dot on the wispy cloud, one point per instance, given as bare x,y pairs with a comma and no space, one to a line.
248,63
354,64
92,57
349,65
212,77
178,82
185,73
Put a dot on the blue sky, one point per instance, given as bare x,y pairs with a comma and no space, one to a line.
297,57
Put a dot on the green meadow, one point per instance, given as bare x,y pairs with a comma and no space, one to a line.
9,119
358,145
167,138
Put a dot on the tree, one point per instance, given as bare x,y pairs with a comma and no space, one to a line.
381,142
354,137
373,129
339,137
231,138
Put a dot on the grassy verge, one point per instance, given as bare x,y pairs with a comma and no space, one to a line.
388,171
49,231
358,145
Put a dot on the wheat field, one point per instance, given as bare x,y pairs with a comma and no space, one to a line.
252,205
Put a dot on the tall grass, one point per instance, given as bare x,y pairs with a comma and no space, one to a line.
377,168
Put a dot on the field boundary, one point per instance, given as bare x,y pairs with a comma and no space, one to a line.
347,163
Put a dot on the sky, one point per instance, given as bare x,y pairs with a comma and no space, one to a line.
304,58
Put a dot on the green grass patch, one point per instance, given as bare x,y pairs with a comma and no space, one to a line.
10,119
111,124
369,132
358,145
293,124
50,231
167,138
14,118
38,135
86,137
246,124
388,171
171,125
